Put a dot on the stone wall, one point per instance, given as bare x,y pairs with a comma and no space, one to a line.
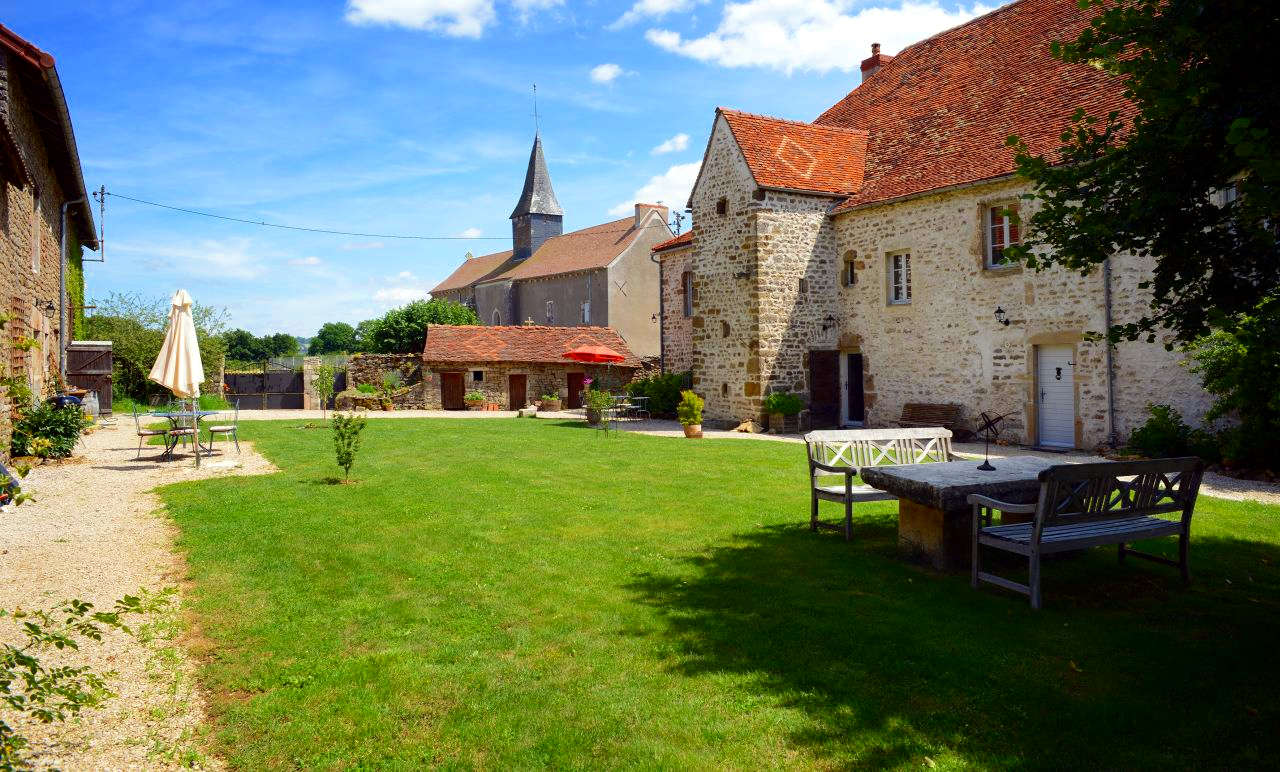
370,368
540,379
23,281
677,329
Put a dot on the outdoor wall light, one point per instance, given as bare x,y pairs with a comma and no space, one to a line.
47,308
828,323
1001,316
654,318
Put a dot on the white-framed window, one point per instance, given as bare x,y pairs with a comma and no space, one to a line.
1001,231
898,265
586,312
686,281
551,312
35,232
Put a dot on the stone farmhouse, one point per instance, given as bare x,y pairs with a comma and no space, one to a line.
44,219
597,276
857,259
515,365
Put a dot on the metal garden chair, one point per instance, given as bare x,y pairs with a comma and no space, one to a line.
146,434
227,430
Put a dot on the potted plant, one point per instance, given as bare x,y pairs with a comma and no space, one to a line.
689,411
783,409
550,402
596,403
475,400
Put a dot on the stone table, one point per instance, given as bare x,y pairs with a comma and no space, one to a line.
934,516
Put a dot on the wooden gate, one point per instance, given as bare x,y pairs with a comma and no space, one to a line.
275,387
89,367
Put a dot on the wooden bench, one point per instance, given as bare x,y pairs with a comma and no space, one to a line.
842,453
923,414
1088,505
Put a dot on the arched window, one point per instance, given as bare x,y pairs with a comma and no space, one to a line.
497,318
551,312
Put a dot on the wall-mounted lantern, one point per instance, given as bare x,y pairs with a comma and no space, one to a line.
47,308
1001,316
828,323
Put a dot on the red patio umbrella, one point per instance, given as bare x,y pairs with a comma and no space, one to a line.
598,354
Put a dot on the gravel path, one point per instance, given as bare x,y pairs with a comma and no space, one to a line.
95,532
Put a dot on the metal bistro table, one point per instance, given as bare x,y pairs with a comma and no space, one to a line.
934,516
175,418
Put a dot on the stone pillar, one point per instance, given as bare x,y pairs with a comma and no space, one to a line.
309,399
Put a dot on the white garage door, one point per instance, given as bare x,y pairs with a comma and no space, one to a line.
1056,391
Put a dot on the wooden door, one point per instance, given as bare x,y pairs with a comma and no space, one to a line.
575,390
452,390
855,403
1056,396
824,388
89,367
517,386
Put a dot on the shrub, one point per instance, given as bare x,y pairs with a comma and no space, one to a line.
1165,434
366,388
325,376
475,396
48,431
595,399
550,397
346,439
663,391
783,402
689,411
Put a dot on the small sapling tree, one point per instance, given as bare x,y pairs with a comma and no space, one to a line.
326,374
346,439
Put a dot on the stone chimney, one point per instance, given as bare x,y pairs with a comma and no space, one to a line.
642,210
872,64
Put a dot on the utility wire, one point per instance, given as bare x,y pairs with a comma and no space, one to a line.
264,224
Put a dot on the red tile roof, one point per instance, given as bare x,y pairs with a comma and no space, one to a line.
472,271
939,112
524,344
683,240
799,156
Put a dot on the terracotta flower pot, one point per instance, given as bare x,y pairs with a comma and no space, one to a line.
692,431
550,405
475,406
593,416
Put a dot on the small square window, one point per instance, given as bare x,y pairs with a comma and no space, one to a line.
1001,229
477,376
899,270
722,206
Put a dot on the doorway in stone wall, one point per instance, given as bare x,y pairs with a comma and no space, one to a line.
517,388
452,391
854,395
824,389
575,384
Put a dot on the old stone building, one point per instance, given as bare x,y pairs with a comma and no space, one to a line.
515,365
44,220
597,276
857,260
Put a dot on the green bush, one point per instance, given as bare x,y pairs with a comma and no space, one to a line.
689,411
783,402
663,391
1166,435
346,439
366,388
48,431
595,399
474,395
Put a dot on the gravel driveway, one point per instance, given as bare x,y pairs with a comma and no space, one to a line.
94,532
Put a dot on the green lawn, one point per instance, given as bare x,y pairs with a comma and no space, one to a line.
519,593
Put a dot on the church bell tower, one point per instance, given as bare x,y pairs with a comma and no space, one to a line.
538,216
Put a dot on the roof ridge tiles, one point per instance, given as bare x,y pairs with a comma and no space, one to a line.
790,121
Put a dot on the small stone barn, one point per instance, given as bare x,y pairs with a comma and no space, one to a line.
515,366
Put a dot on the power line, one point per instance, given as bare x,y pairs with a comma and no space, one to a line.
265,224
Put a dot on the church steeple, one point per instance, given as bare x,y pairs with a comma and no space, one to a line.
537,216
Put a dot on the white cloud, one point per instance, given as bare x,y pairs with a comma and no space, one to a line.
672,188
605,73
398,296
674,145
309,260
470,233
651,9
812,35
526,7
233,258
455,18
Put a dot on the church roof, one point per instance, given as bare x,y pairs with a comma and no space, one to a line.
472,270
537,196
799,156
580,250
525,343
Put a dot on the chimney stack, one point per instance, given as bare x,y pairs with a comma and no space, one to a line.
872,64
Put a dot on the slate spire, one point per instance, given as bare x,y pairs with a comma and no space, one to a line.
538,216
537,196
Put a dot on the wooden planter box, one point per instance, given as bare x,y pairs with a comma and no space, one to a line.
550,405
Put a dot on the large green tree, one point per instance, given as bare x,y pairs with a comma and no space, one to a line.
333,338
1190,177
404,330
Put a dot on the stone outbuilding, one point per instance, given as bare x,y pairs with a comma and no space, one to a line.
600,276
45,219
515,366
858,259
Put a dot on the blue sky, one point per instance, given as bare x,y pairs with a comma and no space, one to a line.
410,117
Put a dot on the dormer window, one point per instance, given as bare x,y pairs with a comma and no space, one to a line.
1001,232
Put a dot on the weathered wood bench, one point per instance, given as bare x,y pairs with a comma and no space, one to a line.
923,414
1089,505
842,453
